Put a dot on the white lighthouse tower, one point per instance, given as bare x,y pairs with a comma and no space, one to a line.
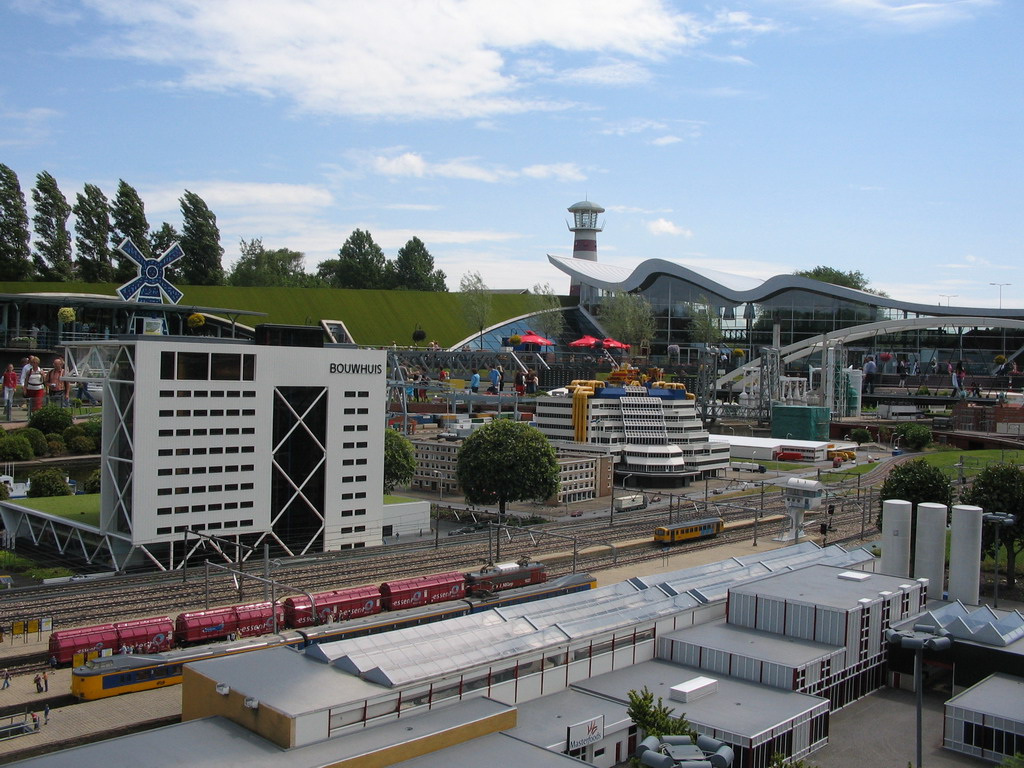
585,227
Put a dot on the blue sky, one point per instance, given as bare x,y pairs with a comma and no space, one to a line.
756,137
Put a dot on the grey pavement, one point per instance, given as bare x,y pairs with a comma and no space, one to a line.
880,731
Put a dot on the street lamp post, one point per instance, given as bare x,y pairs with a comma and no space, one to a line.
999,520
1003,334
948,297
918,642
1000,286
611,509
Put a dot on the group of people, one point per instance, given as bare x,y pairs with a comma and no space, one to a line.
39,386
525,382
912,368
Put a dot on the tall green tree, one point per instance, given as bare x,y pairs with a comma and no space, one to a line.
550,320
653,717
1000,488
854,278
200,239
92,235
259,267
916,482
15,258
413,269
360,264
475,298
129,220
159,241
628,317
52,255
507,461
399,460
705,323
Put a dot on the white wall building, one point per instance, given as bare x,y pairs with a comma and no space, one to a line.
654,433
245,441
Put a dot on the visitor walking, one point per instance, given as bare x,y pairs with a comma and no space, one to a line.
870,370
10,387
35,386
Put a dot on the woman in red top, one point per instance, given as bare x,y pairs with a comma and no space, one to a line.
10,386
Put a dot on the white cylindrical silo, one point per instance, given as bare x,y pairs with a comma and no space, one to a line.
965,554
930,547
896,537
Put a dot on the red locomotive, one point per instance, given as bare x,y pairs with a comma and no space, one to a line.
193,627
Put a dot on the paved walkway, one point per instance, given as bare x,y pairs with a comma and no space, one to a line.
92,720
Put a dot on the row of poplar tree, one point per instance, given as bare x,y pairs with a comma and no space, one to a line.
47,252
100,225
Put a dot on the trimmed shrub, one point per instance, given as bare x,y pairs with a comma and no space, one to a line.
93,428
55,447
48,482
51,418
92,482
914,436
82,445
35,438
71,432
860,436
16,448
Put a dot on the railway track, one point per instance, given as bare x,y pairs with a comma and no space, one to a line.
121,598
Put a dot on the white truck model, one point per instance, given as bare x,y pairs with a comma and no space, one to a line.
631,502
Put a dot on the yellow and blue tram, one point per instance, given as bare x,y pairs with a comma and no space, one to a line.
688,530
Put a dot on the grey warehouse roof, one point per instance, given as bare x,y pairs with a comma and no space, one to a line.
997,695
747,709
766,646
821,585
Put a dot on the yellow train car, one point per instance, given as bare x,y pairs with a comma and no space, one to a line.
689,530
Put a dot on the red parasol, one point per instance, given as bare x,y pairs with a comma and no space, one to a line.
613,344
532,338
586,341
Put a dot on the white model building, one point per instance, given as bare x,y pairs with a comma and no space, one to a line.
654,433
253,442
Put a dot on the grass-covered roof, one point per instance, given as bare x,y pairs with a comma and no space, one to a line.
375,318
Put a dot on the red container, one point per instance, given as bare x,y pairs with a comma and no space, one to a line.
205,626
422,590
146,635
505,576
337,605
257,619
65,643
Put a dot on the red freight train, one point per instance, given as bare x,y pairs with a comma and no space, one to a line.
161,633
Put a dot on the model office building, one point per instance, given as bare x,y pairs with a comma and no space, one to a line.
252,442
654,434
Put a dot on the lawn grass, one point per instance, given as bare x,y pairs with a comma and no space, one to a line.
374,318
83,508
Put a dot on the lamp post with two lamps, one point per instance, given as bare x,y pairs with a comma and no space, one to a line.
918,640
611,510
1000,520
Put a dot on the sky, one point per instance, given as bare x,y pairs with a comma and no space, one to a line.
756,137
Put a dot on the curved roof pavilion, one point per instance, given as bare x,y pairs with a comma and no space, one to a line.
755,313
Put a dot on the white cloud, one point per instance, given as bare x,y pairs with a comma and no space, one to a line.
621,73
910,14
412,207
469,169
402,58
558,171
231,194
663,226
664,141
26,127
